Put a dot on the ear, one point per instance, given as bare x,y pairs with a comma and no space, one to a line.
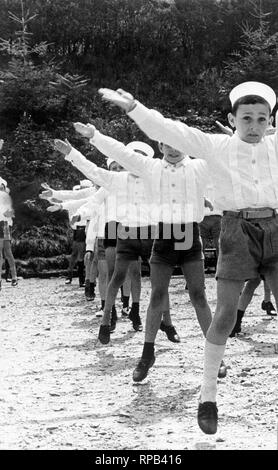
231,119
271,120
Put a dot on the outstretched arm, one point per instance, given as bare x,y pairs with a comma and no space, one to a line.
100,176
112,148
178,135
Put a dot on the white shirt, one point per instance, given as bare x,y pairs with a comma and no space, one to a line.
126,202
210,194
176,192
5,204
244,175
69,194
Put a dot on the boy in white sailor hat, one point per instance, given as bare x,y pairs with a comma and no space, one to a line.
133,211
245,173
175,186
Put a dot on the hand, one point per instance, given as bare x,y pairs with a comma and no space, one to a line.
54,208
45,186
62,146
88,258
9,213
1,143
46,194
270,130
119,98
55,200
208,203
227,130
87,130
75,218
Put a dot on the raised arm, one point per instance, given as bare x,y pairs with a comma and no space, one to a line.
98,175
112,148
57,196
178,135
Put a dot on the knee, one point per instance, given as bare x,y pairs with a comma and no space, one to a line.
118,279
224,322
157,297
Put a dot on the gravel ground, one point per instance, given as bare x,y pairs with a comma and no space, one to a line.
62,390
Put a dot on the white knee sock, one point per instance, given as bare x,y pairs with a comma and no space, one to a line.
213,356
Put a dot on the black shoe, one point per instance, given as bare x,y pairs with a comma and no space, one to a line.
237,327
136,320
89,292
208,417
104,334
141,370
268,307
171,333
68,280
114,319
222,370
14,282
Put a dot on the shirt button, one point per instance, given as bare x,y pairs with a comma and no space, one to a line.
173,185
256,181
174,200
253,161
173,170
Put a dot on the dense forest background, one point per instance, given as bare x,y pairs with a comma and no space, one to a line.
179,56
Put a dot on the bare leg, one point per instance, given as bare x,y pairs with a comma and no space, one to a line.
1,259
134,272
9,257
267,292
160,279
194,275
102,278
118,277
247,293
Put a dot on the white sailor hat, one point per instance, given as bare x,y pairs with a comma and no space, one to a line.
141,147
4,182
253,88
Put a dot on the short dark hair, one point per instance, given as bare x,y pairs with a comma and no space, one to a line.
249,99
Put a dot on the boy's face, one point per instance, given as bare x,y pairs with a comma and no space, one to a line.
251,121
170,154
115,167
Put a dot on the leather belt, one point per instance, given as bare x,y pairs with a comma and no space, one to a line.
252,213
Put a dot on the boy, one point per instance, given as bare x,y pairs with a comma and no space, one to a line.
176,185
245,171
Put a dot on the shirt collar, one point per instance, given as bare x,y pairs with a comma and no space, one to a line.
176,165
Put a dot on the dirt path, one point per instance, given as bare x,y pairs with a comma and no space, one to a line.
60,391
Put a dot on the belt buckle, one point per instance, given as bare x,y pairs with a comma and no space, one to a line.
245,214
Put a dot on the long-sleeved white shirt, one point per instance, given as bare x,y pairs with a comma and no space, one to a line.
176,192
126,202
69,194
244,175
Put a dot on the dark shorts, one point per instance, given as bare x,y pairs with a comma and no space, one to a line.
247,248
79,234
138,244
210,226
110,234
174,250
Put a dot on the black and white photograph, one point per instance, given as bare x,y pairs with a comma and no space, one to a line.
138,228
